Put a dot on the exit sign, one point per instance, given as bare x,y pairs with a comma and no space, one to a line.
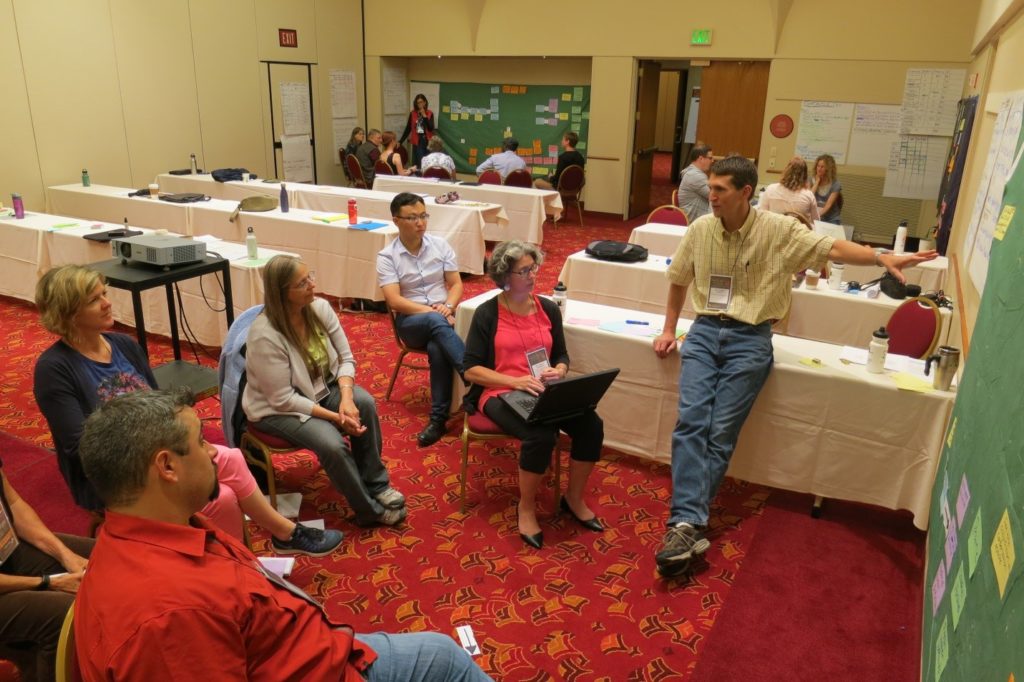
288,37
700,36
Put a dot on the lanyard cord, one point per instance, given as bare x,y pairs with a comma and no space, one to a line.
739,249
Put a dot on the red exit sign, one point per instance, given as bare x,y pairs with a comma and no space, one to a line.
288,37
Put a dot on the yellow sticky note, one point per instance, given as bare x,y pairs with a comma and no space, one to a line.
465,116
952,430
478,117
446,109
566,97
563,116
1004,221
522,89
455,117
909,382
1003,554
811,362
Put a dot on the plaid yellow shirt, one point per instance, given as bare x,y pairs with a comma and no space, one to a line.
760,257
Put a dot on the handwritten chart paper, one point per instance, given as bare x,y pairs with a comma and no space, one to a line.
875,128
915,167
930,99
295,109
824,129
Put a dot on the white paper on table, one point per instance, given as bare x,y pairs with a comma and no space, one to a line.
231,251
893,362
205,238
280,566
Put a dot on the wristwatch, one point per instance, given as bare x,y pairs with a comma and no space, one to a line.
44,583
448,305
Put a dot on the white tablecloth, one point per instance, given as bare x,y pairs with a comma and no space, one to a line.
113,205
527,208
832,430
817,314
658,238
931,276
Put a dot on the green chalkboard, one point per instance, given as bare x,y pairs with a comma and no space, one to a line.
973,618
474,118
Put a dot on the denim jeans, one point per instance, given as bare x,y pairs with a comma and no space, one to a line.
419,657
444,352
356,470
724,365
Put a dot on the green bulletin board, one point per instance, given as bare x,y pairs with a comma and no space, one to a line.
973,618
474,118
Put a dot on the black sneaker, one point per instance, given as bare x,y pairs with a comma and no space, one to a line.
311,541
431,434
681,543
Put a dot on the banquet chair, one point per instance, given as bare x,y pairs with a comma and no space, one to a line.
671,215
355,171
403,350
570,186
67,662
675,198
914,328
382,168
438,172
519,178
489,177
480,427
344,166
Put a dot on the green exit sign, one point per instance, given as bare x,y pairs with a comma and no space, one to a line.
700,36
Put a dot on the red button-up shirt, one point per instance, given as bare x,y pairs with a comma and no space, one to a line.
163,601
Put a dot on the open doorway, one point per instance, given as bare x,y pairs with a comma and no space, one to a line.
669,127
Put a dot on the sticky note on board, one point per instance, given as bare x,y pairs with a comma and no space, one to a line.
1003,553
577,93
494,103
941,650
581,145
963,500
586,115
563,116
522,89
575,127
952,430
495,89
974,544
553,104
464,115
506,89
577,110
958,594
494,117
951,542
540,108
566,97
938,586
552,121
478,117
446,109
1004,222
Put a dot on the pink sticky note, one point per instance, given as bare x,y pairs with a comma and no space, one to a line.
583,322
553,104
962,501
950,544
938,587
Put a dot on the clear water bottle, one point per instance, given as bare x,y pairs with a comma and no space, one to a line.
877,349
85,177
284,199
251,248
559,296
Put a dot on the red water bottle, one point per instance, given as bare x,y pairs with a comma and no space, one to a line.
353,212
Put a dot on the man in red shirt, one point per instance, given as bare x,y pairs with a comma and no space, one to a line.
168,596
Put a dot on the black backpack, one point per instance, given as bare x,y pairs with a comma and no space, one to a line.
606,249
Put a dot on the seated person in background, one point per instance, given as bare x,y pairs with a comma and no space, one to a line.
90,365
505,162
437,158
828,190
368,153
301,387
791,194
504,329
169,596
420,279
391,156
39,576
569,157
693,183
357,138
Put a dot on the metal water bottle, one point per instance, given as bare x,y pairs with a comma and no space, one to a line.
900,245
353,212
193,166
284,199
877,349
19,206
559,295
85,178
250,244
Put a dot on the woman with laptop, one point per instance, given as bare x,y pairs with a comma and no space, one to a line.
516,343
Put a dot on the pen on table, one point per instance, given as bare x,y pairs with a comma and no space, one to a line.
636,322
65,225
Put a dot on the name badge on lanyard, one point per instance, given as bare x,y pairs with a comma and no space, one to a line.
537,359
320,390
720,292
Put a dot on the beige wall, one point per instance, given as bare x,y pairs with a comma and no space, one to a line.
129,89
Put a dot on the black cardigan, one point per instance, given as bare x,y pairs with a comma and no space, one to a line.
480,342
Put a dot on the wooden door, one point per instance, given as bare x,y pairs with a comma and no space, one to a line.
732,106
644,137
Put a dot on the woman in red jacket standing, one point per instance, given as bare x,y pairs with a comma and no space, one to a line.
419,128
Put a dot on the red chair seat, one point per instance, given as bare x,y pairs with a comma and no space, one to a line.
481,423
275,442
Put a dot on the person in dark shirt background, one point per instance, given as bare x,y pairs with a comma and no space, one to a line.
569,157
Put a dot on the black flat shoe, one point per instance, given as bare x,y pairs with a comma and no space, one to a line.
536,540
431,434
590,524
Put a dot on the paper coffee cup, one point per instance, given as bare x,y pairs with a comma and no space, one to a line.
154,190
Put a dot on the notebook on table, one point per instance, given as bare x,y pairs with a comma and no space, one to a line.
561,399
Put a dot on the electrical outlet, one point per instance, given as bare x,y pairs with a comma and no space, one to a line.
771,163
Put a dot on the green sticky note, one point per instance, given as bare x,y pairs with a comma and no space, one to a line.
958,595
974,544
577,110
941,650
581,145
577,94
575,127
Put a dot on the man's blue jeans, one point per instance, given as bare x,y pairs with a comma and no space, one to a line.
444,352
419,657
724,365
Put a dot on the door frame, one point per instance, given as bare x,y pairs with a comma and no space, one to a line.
276,143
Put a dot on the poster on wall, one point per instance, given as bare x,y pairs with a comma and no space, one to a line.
343,94
930,98
395,85
824,129
875,128
297,153
915,167
295,109
341,128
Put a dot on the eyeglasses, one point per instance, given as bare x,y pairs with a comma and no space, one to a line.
306,282
421,216
526,272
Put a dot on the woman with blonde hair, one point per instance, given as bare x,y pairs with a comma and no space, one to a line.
791,193
90,365
828,191
301,387
390,155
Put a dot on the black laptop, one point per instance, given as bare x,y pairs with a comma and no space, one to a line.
561,399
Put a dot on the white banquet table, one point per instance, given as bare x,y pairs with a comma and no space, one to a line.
527,207
823,428
818,314
658,238
930,275
113,205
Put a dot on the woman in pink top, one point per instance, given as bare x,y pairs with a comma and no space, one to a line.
505,329
791,193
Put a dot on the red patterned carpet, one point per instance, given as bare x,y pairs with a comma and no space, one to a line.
586,607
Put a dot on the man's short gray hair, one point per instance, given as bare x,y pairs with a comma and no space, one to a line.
505,256
121,437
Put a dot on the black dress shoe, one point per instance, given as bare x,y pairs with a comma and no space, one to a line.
590,524
536,540
431,434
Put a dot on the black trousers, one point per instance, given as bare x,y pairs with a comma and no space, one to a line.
538,440
30,621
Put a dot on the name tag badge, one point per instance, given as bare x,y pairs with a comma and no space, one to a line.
320,390
720,292
537,360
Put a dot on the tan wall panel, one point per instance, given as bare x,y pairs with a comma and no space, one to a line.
158,86
612,95
229,80
295,14
668,97
73,90
19,171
